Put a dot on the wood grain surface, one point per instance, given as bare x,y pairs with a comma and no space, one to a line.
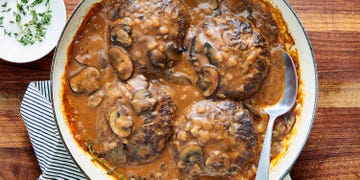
333,148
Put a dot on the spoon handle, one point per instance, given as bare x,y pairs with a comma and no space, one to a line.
264,162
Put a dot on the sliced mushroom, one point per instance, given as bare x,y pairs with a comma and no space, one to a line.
218,161
256,111
121,62
209,53
120,35
195,170
208,79
191,154
120,123
191,159
173,52
95,99
192,51
283,125
84,59
206,55
142,101
87,80
157,58
178,77
208,74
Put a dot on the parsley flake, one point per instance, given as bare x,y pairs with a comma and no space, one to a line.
4,5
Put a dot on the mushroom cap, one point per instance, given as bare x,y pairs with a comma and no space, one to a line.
120,34
121,62
86,81
208,79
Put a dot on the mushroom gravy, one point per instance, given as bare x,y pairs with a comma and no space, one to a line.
172,89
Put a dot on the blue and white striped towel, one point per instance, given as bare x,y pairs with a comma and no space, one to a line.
36,111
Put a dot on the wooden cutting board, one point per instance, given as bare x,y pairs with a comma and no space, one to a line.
333,148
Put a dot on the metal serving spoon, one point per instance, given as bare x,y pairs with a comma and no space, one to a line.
286,102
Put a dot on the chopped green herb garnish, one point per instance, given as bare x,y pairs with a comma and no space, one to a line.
4,5
36,2
7,33
30,30
17,17
45,17
20,8
111,169
34,16
6,10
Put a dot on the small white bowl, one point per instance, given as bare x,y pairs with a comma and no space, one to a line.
11,50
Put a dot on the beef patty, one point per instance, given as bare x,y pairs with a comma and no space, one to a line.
234,48
152,31
135,121
214,138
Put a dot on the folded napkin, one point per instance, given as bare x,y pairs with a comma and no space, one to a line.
36,111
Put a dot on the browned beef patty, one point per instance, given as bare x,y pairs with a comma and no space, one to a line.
237,49
152,31
135,121
214,138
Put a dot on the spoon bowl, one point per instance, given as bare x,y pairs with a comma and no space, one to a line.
285,104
